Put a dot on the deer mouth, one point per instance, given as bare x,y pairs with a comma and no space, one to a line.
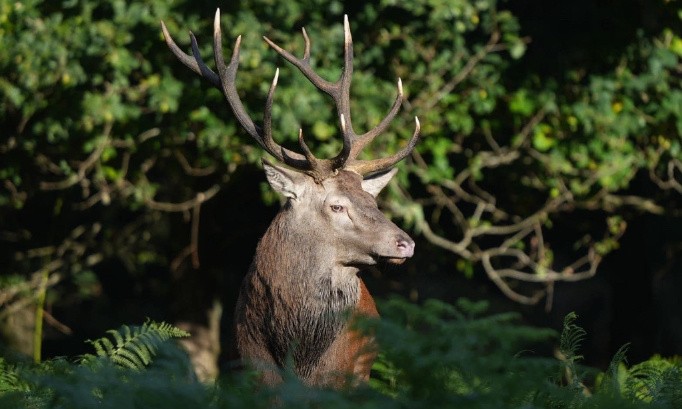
395,260
378,259
404,249
391,259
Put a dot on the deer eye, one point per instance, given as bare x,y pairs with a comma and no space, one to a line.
337,208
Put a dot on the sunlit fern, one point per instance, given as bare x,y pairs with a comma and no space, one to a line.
656,380
134,347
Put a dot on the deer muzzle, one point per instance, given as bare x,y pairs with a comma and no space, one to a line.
404,250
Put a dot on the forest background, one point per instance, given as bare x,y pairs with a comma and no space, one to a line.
548,177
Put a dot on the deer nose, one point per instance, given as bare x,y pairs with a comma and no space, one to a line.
405,247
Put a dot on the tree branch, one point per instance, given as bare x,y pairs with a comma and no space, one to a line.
200,198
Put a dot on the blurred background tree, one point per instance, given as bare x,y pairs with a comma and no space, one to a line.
550,162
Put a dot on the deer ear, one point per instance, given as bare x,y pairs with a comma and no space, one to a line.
375,183
287,182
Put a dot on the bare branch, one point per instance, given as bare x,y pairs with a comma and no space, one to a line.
510,247
89,202
17,196
674,166
464,72
200,198
191,170
85,166
194,241
33,285
61,327
177,261
504,287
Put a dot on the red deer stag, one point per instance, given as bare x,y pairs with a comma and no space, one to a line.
303,277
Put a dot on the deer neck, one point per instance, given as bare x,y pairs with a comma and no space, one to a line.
302,261
309,294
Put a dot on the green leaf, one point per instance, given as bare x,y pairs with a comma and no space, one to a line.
517,49
542,140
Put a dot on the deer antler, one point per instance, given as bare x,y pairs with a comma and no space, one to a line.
319,169
340,93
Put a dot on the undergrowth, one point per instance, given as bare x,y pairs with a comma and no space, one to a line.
432,356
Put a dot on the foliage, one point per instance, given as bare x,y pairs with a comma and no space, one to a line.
509,156
467,359
134,347
654,380
571,338
85,383
10,379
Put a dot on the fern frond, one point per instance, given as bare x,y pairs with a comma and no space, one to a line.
134,347
9,378
656,380
572,337
104,347
170,331
135,358
116,335
671,388
616,373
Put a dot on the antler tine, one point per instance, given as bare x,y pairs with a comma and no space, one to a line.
343,98
370,166
195,63
362,140
341,159
306,151
339,90
228,77
269,143
303,64
305,162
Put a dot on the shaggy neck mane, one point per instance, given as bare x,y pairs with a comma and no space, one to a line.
308,293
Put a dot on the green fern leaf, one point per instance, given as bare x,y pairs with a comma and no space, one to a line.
134,347
106,347
120,341
10,379
656,380
615,376
132,358
572,337
127,333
